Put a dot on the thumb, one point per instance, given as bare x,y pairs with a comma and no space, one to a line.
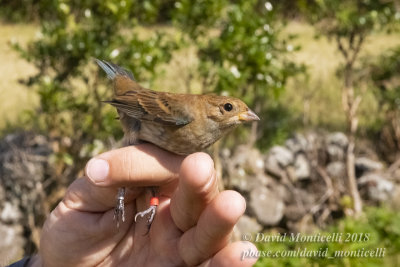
140,165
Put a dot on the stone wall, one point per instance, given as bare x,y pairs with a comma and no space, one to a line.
294,187
302,184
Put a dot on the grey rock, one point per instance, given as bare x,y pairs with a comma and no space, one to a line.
247,224
272,166
336,169
255,161
297,144
302,167
243,168
283,155
10,213
267,206
338,138
395,174
364,164
277,159
249,159
225,153
12,243
245,184
24,168
335,153
263,179
336,145
294,213
377,187
313,141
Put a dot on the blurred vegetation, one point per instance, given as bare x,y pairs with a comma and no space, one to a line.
241,49
247,58
237,56
350,24
20,10
380,224
385,85
69,88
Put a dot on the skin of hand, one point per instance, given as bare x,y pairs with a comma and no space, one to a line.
192,227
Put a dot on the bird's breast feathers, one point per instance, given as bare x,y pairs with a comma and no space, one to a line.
181,140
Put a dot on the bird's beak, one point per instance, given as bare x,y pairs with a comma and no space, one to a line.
248,116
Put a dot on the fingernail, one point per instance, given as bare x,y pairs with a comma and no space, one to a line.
97,170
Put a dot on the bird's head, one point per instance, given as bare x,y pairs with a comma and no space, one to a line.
229,111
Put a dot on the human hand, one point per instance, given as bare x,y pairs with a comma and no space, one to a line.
192,226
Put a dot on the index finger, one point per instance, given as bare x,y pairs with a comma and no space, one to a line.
197,188
139,165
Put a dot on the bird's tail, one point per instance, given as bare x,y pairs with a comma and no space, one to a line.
113,70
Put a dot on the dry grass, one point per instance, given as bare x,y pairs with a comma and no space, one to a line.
15,97
318,100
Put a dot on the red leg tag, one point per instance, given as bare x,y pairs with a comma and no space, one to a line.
154,201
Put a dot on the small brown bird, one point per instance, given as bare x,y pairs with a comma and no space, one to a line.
179,123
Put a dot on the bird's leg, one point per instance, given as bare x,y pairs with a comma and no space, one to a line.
151,211
130,138
119,211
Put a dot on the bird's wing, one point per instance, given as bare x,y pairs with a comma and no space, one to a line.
143,104
149,105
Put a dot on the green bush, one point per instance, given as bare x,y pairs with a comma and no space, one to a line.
378,228
70,87
385,84
19,10
238,56
245,57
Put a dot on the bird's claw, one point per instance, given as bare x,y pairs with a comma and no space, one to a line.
151,211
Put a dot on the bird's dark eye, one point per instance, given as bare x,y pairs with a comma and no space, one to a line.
228,107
